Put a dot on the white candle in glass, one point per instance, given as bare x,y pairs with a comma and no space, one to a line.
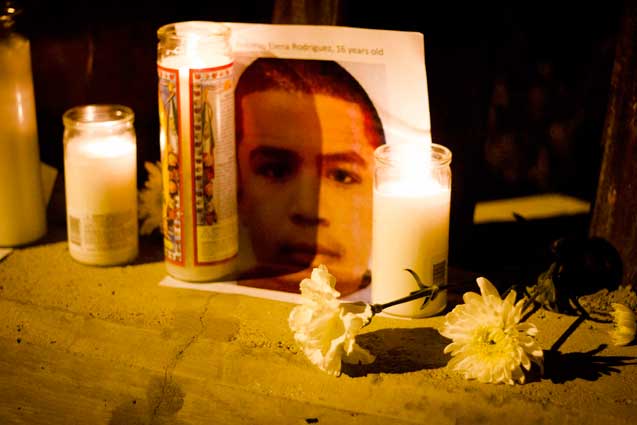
411,206
100,171
22,204
199,54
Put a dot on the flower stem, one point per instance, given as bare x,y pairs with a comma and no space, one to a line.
377,308
529,301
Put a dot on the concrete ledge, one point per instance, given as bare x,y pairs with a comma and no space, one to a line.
80,344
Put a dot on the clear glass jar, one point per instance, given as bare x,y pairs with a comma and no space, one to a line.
22,201
197,44
197,141
100,170
412,194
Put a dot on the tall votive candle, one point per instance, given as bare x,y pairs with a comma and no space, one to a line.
100,173
411,207
196,114
22,204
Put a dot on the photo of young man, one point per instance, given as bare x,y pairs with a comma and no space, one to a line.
306,132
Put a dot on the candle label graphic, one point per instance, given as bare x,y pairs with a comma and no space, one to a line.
439,270
171,159
213,166
100,232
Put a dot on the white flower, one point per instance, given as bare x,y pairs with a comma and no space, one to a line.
488,342
325,328
150,200
625,325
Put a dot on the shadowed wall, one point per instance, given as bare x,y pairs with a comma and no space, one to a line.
517,92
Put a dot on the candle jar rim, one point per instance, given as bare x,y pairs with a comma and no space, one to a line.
387,154
98,116
177,31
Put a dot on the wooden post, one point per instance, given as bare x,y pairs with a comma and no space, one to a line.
615,212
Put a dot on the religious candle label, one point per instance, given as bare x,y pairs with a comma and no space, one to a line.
204,126
214,189
171,159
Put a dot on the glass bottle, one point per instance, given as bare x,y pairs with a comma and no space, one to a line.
197,140
22,202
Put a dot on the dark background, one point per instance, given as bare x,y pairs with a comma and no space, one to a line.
518,92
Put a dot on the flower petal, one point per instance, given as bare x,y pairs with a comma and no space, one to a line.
324,327
487,341
624,325
487,288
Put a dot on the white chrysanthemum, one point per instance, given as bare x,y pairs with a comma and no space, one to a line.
488,341
325,328
625,325
150,200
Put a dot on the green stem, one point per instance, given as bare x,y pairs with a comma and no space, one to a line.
529,301
377,308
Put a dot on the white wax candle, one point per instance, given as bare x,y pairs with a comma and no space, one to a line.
208,251
410,230
22,205
101,199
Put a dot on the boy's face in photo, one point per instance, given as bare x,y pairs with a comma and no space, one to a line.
306,182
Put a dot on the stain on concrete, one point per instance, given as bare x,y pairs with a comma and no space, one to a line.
166,333
127,414
224,330
164,399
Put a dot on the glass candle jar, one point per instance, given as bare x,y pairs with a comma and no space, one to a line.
100,173
197,140
22,202
412,193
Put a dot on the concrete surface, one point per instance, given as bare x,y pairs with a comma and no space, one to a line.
88,345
